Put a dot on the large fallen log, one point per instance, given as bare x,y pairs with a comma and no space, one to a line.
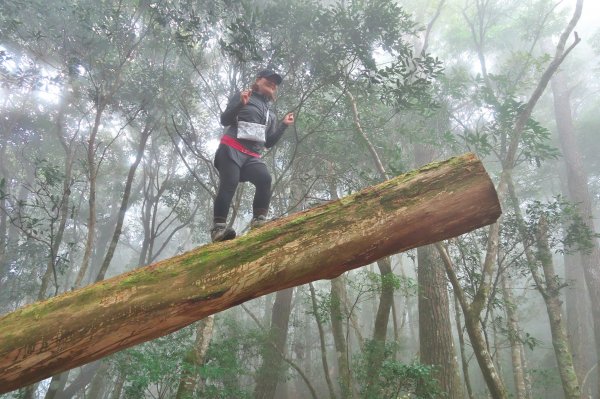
436,202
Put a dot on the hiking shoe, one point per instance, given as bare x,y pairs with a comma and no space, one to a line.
220,232
258,221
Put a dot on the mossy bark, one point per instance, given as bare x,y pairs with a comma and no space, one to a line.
436,202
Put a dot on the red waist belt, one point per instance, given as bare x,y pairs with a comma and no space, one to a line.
233,143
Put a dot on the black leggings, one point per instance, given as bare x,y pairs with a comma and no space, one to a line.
231,173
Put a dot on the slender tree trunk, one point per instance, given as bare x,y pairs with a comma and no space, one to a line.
124,202
119,384
474,329
3,239
4,184
463,354
376,354
437,202
29,392
104,233
436,346
3,226
300,346
282,355
59,381
92,175
63,209
577,182
146,211
551,295
13,235
580,330
195,359
99,382
315,308
484,358
270,371
337,316
81,381
528,387
57,384
516,347
339,337
549,289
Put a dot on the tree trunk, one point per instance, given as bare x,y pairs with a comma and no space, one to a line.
59,381
99,382
146,212
4,265
57,384
92,174
326,371
472,314
580,329
437,202
577,182
29,392
463,355
549,289
63,209
124,203
119,384
513,331
339,338
551,295
3,230
436,346
484,358
270,371
195,358
337,315
81,381
376,354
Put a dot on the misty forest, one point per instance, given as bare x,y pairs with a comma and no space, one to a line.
109,123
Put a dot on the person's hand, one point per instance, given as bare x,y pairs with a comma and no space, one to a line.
289,119
245,96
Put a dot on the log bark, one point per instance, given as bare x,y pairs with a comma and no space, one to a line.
436,202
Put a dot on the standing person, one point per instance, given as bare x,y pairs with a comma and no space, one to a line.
250,126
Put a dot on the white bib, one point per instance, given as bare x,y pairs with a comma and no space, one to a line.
251,131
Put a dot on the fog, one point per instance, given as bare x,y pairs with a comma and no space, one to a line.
112,114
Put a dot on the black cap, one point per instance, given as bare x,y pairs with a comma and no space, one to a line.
269,74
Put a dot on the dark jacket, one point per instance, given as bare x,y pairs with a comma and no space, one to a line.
255,111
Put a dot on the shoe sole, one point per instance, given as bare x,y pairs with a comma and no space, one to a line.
229,235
